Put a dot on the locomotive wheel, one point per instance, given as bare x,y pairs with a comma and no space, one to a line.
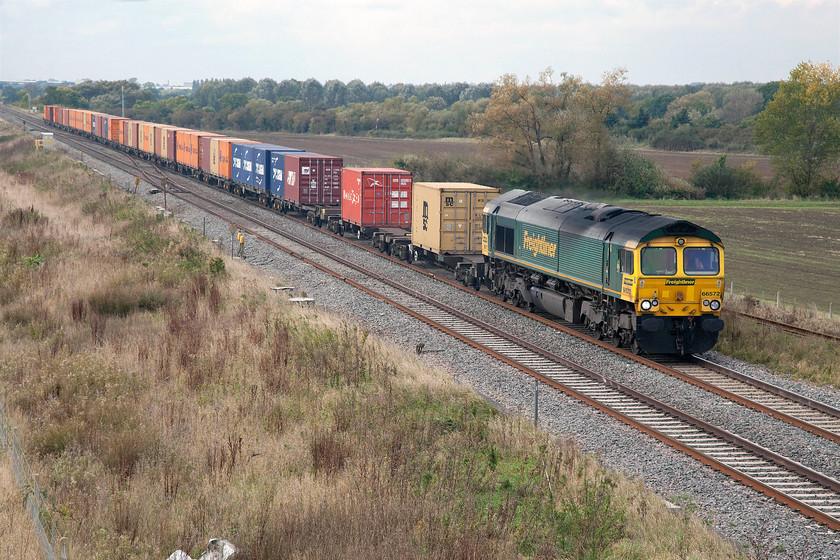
599,332
634,346
616,339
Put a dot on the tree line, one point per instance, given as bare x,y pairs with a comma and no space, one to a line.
552,133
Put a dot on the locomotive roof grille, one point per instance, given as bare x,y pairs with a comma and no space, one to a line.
528,198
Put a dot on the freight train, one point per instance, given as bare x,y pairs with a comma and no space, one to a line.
643,281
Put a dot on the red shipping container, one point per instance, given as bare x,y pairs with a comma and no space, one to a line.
376,197
169,142
313,179
49,112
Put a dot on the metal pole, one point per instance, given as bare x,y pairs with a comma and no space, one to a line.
777,299
536,401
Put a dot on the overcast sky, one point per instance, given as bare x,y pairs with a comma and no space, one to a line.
415,41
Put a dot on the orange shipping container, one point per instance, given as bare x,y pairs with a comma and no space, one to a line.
115,129
87,125
168,146
189,145
225,147
146,140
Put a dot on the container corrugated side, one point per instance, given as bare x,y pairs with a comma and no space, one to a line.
241,169
277,171
169,142
130,133
262,165
447,217
205,153
87,125
313,179
226,155
115,129
376,197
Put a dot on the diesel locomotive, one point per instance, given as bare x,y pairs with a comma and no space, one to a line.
648,282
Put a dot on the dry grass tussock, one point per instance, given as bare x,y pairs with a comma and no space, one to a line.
168,396
16,537
814,360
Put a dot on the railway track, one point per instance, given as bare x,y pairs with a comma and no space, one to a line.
795,485
817,496
787,327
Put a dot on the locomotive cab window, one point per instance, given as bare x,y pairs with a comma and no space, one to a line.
626,260
659,261
699,261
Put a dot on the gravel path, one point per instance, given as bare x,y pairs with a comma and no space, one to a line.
736,511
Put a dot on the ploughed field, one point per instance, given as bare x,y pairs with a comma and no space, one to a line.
367,152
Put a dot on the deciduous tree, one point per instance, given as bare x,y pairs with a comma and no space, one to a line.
800,128
533,122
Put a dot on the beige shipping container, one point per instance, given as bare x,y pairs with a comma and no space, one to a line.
446,217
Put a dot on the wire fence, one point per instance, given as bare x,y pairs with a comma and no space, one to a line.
785,303
36,504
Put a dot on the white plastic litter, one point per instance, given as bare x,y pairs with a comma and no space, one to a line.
217,549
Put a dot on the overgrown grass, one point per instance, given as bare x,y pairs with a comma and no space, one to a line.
168,397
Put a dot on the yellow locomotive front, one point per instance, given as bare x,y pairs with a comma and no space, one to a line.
677,290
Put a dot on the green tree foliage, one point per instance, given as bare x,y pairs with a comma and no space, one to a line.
800,128
64,96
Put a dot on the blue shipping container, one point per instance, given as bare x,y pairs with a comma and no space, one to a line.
277,168
240,167
259,161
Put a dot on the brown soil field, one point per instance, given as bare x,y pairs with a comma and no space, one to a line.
678,164
360,151
366,152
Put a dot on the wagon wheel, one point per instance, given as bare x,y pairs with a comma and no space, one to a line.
599,332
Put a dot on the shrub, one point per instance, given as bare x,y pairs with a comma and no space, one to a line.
683,139
719,180
635,175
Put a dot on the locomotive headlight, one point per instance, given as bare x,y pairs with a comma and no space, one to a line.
705,303
646,305
715,305
655,303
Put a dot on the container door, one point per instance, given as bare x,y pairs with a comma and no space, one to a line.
461,202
